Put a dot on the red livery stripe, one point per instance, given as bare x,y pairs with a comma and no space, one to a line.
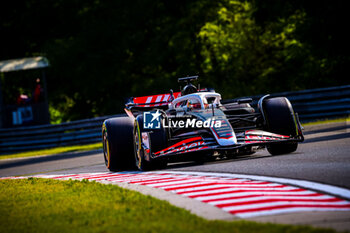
181,143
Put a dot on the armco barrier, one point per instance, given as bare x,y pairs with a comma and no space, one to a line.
48,136
316,104
309,104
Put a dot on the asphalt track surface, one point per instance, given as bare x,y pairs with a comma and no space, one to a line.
324,157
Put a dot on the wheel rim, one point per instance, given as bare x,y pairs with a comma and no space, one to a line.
106,148
137,147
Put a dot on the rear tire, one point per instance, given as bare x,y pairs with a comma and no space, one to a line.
117,140
280,119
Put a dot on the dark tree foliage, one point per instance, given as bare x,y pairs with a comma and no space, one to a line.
323,31
102,52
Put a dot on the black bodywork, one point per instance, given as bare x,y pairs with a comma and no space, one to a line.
250,127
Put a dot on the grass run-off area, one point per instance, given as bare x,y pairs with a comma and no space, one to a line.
53,151
77,148
327,121
43,205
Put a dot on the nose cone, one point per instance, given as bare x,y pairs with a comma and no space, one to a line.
224,134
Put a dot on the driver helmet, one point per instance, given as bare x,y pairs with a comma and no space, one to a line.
189,89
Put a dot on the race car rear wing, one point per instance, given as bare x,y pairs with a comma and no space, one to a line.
151,101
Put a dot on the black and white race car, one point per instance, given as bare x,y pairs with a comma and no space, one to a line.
194,124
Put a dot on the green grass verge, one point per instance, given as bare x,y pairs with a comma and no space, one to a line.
326,121
64,149
43,205
52,151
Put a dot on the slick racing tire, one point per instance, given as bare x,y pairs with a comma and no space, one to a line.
117,140
158,141
280,119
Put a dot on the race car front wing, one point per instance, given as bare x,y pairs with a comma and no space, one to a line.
245,139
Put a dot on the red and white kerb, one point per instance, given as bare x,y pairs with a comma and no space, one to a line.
241,197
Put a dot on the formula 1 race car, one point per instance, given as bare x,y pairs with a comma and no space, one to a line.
194,124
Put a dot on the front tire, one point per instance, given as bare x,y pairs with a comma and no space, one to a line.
141,163
280,119
117,138
158,141
282,148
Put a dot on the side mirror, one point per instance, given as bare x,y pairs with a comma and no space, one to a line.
172,97
172,112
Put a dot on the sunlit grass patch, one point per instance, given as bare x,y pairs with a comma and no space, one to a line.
327,121
52,151
42,205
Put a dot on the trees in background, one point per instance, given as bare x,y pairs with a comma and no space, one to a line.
249,57
102,52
